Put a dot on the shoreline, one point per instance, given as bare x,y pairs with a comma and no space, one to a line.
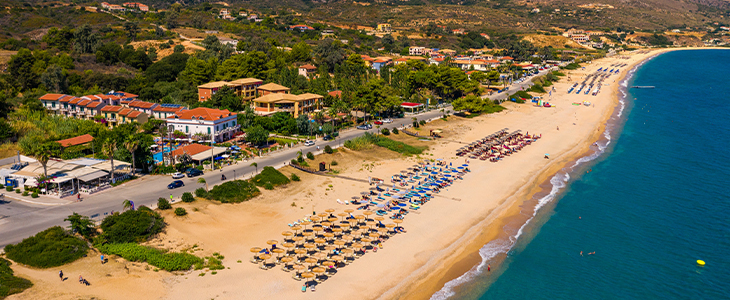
511,211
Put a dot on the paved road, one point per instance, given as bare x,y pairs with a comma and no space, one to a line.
19,220
516,87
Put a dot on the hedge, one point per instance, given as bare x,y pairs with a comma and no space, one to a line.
171,261
52,247
10,284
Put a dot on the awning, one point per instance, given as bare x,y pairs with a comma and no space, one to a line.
31,182
61,179
205,155
92,176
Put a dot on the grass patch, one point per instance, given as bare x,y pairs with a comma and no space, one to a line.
270,175
367,140
234,191
10,284
52,247
164,260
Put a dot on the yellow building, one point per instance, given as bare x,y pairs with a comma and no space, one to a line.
384,27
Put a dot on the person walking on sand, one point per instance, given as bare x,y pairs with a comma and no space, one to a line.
60,274
102,259
81,279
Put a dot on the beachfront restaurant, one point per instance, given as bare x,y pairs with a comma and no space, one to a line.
68,177
413,107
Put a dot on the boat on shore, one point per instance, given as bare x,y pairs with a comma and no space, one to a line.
642,87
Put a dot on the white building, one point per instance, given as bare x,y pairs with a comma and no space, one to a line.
222,124
417,51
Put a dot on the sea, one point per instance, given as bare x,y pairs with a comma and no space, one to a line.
648,202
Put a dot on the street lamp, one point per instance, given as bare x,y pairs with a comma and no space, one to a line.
170,129
234,174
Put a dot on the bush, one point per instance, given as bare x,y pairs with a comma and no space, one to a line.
235,191
361,142
422,122
11,284
270,175
399,147
163,204
395,130
385,131
294,177
415,124
17,191
9,188
328,149
1,186
188,197
25,193
131,226
268,186
310,156
294,162
200,192
52,247
180,211
34,195
333,163
166,261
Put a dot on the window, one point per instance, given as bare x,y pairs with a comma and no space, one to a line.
53,104
208,130
186,129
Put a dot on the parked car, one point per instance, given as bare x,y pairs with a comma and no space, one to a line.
365,127
308,143
192,172
175,184
378,122
326,138
178,175
387,120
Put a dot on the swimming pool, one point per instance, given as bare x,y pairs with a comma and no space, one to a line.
158,156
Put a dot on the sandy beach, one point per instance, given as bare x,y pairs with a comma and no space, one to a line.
443,237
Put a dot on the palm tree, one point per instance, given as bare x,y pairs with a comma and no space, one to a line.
126,204
43,154
319,117
255,165
109,148
202,181
132,144
332,113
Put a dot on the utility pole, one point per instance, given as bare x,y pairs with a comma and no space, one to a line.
170,129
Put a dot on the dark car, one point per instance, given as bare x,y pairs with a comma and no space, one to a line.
326,138
365,127
175,184
192,172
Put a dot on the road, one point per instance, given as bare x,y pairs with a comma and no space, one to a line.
516,87
19,220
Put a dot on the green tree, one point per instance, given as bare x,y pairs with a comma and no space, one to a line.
201,180
126,204
255,165
257,135
252,64
301,52
178,49
198,71
471,103
171,19
59,38
152,53
54,79
132,144
85,40
81,224
21,69
330,53
109,148
43,153
226,98
108,53
132,29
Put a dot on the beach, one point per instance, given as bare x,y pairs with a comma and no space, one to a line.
443,238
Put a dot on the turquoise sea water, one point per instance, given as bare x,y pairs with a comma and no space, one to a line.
654,203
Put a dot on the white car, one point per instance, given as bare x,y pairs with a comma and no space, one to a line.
178,175
387,121
309,143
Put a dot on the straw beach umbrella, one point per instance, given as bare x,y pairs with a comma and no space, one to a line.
256,249
349,210
311,260
288,245
272,242
329,210
307,275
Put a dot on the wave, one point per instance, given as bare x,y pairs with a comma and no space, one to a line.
558,182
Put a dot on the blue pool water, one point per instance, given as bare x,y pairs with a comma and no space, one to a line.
654,203
158,156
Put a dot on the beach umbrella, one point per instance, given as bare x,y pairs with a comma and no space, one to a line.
345,225
320,241
328,263
318,270
366,240
265,256
297,238
318,228
348,237
322,215
308,233
342,215
299,267
367,213
370,223
286,259
288,245
357,246
349,210
256,249
330,210
339,242
390,225
315,219
305,223
326,223
328,234
287,233
348,251
359,217
311,260
272,242
300,251
330,248
337,257
320,255
309,246
332,219
382,230
379,218
296,228
307,275
374,235
278,251
397,221
336,229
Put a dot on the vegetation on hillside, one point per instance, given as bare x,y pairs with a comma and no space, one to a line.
234,191
10,284
131,226
49,248
271,176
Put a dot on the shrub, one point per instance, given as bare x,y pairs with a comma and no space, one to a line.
1,185
385,131
163,204
399,147
294,162
422,122
294,177
170,261
52,247
270,175
187,197
9,188
269,186
300,159
234,191
333,163
328,149
415,124
17,191
25,193
34,195
395,130
180,211
11,284
361,142
310,156
200,192
131,226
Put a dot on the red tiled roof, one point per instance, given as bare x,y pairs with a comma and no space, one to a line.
112,108
52,97
402,59
308,67
124,111
134,114
208,114
126,101
336,94
75,100
66,98
380,60
93,104
79,140
141,104
84,102
191,149
507,58
168,109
